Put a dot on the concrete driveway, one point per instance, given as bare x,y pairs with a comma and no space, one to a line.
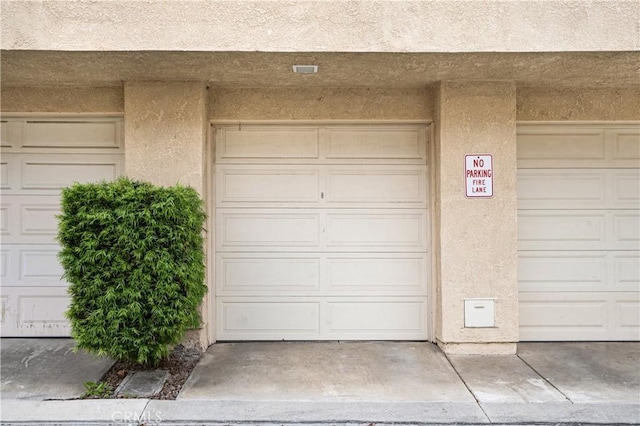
416,371
398,381
331,371
342,382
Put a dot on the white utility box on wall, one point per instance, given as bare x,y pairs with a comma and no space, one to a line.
479,313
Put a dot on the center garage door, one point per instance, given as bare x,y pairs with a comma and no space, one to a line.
39,157
578,231
321,232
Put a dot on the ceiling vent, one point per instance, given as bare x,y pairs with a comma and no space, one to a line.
305,69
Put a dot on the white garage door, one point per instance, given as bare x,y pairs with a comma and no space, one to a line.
578,230
40,156
321,232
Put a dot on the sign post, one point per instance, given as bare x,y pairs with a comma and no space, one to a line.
478,172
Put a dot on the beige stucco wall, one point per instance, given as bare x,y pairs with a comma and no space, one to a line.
342,69
164,132
553,103
62,99
320,104
533,103
476,239
321,26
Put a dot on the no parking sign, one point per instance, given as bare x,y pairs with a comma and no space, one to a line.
478,172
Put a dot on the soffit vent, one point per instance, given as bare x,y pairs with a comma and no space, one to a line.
305,69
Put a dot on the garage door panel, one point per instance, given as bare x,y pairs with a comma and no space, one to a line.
268,319
569,313
257,273
68,134
4,310
39,220
626,268
267,184
5,220
626,227
628,317
375,318
558,229
575,271
578,189
560,143
71,134
561,189
275,229
56,173
31,265
255,142
368,185
577,230
4,175
626,191
377,231
35,311
562,271
5,269
375,142
8,319
582,146
41,266
43,311
29,219
5,141
48,173
10,165
626,144
579,316
371,275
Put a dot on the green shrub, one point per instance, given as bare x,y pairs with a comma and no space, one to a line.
133,254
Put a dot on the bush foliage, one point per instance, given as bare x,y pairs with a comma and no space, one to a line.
134,258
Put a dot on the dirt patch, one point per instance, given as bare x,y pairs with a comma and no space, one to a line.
180,364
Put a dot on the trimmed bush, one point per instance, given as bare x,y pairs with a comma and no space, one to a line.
133,254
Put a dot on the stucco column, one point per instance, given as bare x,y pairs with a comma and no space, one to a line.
165,134
475,238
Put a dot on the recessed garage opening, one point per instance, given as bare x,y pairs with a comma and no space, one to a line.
322,232
578,231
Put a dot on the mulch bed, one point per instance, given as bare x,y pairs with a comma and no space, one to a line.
180,363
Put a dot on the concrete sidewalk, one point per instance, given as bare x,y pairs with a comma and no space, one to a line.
362,383
38,369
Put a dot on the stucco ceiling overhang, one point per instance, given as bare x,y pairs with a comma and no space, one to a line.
260,69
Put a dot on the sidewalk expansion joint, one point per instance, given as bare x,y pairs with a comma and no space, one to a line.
467,387
544,378
142,420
